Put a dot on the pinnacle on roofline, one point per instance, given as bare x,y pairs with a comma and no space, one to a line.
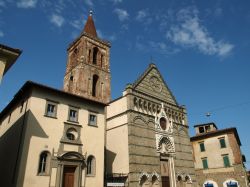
89,27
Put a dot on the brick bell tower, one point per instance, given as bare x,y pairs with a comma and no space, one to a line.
88,69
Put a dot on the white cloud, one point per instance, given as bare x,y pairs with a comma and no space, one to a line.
190,33
58,20
116,1
153,46
27,4
2,3
141,15
1,34
122,14
89,3
78,23
102,36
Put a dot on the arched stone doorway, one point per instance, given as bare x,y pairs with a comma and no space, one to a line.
69,169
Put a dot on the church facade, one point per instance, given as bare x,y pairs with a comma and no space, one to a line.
77,137
147,136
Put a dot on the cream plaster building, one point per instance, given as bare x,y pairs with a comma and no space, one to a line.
148,143
217,157
56,138
8,57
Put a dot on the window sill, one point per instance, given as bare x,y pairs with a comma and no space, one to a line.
43,174
74,122
96,126
90,175
54,117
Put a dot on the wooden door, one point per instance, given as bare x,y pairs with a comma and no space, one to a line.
165,181
68,176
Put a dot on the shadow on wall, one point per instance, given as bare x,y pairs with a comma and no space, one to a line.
14,146
110,157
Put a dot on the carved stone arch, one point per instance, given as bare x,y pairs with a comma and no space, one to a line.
139,120
155,179
207,182
179,177
144,178
151,123
230,181
175,127
165,145
155,174
188,179
72,155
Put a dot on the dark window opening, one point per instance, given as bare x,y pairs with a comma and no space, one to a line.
89,55
94,85
207,128
163,123
204,163
202,147
101,60
51,110
95,52
91,165
72,115
71,78
226,161
70,136
42,162
92,120
222,143
201,129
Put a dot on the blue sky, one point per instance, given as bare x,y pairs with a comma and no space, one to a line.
201,48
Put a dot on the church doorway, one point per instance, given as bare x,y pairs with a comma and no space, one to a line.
68,176
165,181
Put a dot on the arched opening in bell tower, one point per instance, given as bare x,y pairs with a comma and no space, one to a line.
95,52
94,85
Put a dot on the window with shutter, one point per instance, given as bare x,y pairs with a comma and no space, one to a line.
202,147
226,161
222,143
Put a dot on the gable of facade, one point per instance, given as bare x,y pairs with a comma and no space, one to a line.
152,83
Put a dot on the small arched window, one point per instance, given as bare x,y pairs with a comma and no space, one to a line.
44,163
155,181
94,85
102,60
91,165
144,181
89,56
95,54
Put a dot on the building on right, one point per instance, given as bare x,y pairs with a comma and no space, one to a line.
217,157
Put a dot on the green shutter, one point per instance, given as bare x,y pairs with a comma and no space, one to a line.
202,147
222,143
226,161
204,162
